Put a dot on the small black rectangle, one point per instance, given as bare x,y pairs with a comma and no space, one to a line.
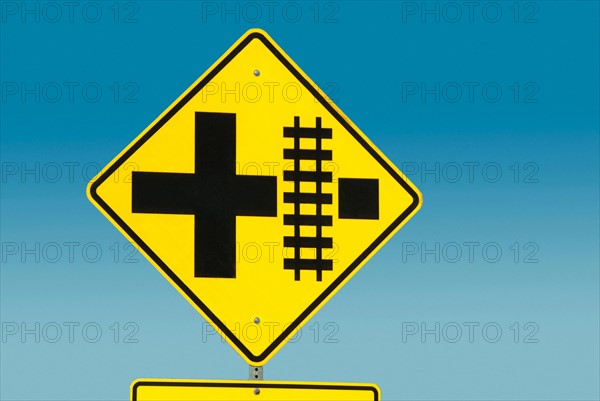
303,197
308,264
306,220
308,242
358,198
307,154
302,132
308,176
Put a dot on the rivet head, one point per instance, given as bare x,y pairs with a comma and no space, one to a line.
257,320
257,391
256,73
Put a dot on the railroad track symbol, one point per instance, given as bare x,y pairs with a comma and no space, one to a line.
358,199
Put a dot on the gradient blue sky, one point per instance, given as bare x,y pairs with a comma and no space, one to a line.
370,57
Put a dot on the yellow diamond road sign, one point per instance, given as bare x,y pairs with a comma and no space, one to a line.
255,196
232,390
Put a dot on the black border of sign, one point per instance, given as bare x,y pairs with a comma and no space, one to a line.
256,384
165,268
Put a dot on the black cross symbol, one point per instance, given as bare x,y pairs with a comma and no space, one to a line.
214,194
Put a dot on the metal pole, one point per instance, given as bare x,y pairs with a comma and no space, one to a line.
256,372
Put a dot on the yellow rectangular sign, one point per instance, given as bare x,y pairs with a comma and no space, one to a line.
232,390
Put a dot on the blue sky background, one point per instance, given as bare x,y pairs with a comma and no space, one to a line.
533,194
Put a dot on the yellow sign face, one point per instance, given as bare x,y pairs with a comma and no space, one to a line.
193,390
255,196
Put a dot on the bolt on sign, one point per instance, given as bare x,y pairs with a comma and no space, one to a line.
253,157
222,390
